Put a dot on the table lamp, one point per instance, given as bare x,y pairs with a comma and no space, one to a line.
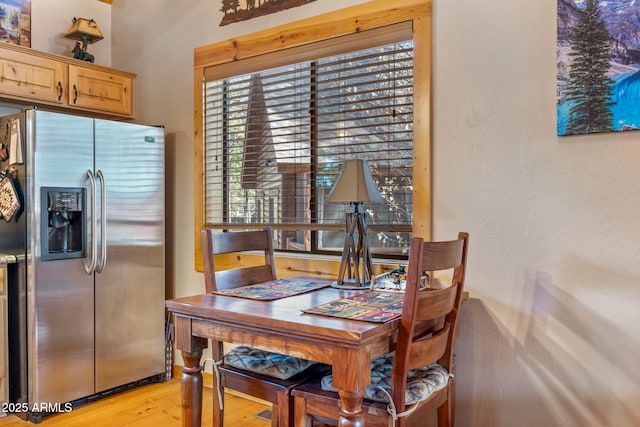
84,31
355,186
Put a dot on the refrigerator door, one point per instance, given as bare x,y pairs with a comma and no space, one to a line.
130,274
60,314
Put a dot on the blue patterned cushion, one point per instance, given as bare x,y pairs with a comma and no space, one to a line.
421,382
265,362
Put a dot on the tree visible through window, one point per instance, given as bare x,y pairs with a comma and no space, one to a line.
275,140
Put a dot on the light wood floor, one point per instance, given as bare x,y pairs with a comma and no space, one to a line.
151,405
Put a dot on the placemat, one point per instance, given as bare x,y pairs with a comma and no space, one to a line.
373,306
273,289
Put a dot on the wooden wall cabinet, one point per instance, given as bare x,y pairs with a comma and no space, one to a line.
38,78
28,76
100,91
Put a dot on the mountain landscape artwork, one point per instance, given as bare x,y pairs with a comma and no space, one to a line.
598,66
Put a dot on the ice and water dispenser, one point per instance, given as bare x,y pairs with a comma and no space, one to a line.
63,223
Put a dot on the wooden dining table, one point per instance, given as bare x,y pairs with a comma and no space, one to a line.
280,326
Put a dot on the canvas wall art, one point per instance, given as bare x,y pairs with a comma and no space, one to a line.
241,10
598,64
15,22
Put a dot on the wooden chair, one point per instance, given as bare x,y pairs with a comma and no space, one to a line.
262,386
425,342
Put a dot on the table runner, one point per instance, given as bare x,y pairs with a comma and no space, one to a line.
369,306
273,289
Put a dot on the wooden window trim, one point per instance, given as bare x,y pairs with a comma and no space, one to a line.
366,16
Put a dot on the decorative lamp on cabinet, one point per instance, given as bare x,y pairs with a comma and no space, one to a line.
85,32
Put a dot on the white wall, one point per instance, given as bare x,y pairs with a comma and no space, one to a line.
50,20
551,335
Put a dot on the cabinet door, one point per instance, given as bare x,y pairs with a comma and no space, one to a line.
100,91
32,77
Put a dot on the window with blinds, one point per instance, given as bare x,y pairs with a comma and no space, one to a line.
275,139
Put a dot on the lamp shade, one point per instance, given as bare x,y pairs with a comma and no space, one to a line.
355,185
85,30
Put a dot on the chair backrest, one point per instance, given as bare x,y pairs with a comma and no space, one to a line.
429,316
216,243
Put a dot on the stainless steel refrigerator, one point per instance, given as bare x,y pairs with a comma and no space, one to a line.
87,306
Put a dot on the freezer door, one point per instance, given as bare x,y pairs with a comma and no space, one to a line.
130,275
60,315
12,233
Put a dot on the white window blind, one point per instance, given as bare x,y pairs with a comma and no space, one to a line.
275,139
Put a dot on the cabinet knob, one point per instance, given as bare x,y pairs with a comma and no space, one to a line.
75,93
60,91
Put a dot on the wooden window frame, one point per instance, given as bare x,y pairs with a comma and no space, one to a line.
366,16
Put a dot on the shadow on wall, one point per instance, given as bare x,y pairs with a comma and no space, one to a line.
563,363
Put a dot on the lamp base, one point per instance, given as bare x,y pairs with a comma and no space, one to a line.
350,284
80,52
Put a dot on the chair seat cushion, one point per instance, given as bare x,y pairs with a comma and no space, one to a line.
265,362
421,382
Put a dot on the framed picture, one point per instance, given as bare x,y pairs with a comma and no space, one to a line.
15,22
598,67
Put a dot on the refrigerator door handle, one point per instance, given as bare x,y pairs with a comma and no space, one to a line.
90,268
103,223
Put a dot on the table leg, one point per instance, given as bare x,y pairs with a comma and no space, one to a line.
351,413
191,389
351,375
191,384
